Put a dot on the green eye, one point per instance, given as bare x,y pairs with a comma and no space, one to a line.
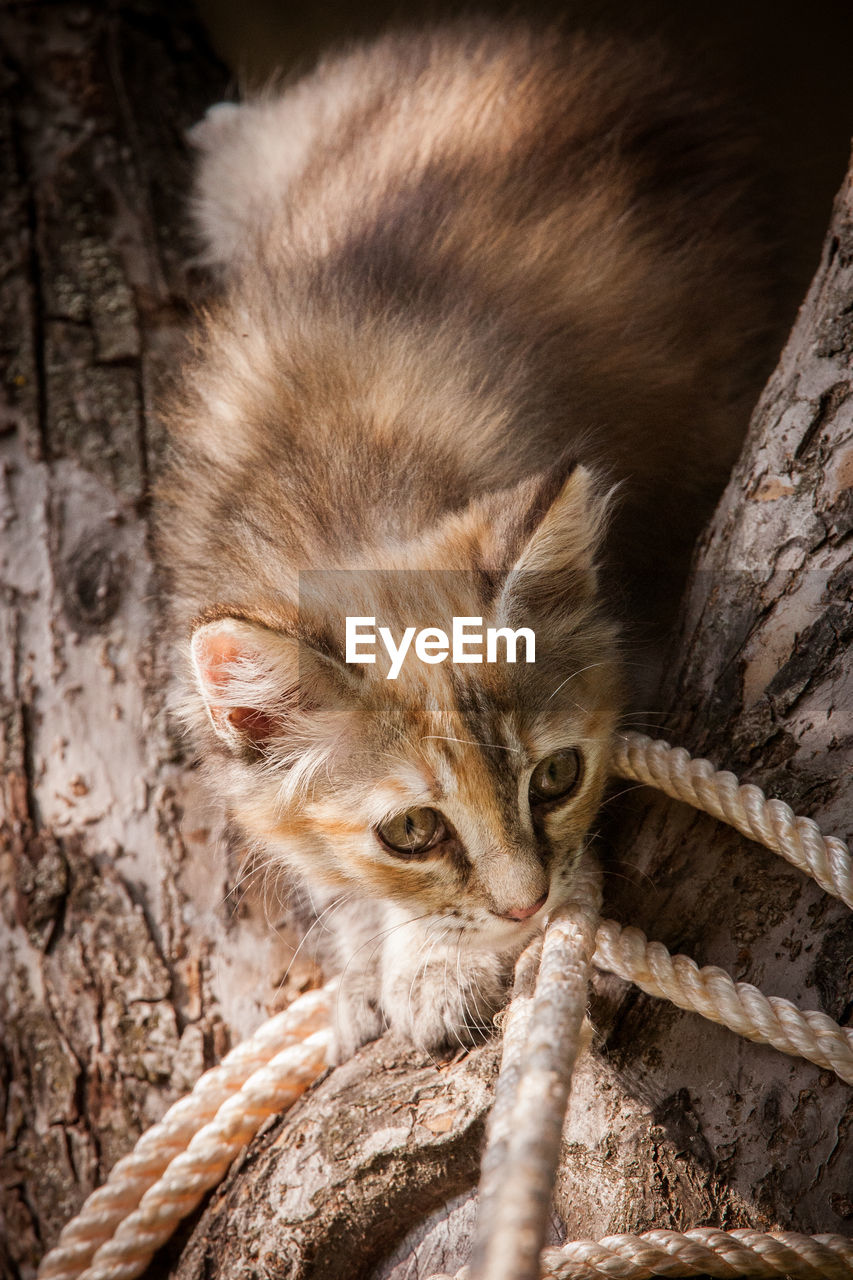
556,776
412,832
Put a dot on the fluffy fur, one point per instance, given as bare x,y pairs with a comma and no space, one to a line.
471,280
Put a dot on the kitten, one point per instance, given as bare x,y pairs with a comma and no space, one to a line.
472,280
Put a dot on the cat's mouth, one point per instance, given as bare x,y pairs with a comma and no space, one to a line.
479,928
504,933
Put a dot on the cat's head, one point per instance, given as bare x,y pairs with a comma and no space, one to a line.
459,789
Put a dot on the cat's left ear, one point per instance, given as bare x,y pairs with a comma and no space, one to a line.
537,540
561,518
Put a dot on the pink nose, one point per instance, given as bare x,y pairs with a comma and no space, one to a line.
524,913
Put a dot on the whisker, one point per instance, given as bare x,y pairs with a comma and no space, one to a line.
617,875
336,904
590,667
254,868
377,938
623,791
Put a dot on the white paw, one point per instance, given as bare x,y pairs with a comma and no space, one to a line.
438,1011
354,1027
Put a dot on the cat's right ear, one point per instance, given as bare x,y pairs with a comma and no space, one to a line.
557,536
256,682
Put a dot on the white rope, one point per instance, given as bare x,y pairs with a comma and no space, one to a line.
508,1242
262,1076
737,1005
515,1026
745,807
176,1161
703,1251
514,1206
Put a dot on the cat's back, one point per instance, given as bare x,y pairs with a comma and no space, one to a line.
425,111
467,140
449,256
572,200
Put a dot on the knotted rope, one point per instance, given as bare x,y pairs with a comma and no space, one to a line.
174,1163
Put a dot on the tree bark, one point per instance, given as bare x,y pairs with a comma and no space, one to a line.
126,965
763,685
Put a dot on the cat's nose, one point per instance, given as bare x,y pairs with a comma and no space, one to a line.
524,913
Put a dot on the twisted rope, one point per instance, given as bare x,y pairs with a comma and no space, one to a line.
703,1251
176,1161
736,1005
745,807
508,1244
515,1026
515,1205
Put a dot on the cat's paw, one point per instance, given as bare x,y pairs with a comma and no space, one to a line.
357,1019
444,1007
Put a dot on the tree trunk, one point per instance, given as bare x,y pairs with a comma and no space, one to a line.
763,686
127,966
124,966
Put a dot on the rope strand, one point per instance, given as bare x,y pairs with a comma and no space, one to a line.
510,1236
158,1148
771,822
737,1005
515,1024
703,1251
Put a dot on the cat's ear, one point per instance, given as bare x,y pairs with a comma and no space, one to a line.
557,538
538,538
255,681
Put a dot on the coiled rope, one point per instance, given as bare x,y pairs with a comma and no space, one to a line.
175,1162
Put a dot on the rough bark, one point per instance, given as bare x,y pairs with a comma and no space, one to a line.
125,965
764,686
383,1143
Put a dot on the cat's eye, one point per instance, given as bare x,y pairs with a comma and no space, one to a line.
556,777
414,831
